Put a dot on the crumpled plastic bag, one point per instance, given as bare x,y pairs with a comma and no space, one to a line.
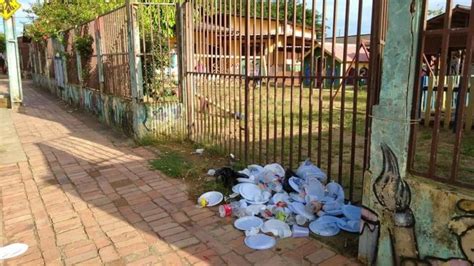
308,170
335,191
275,169
255,170
285,181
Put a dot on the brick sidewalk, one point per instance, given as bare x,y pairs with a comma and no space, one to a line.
85,196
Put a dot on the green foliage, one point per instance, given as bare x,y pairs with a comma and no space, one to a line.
2,43
435,12
83,45
158,27
172,164
55,16
256,9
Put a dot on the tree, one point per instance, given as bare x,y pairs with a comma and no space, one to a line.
435,12
290,6
56,16
2,43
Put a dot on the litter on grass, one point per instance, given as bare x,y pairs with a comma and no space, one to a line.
272,200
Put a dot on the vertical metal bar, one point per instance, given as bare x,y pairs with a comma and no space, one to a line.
199,67
285,57
196,51
241,116
300,118
321,72
221,89
440,89
462,97
416,90
207,103
234,71
355,102
293,59
343,94
254,82
260,106
331,99
377,38
227,62
267,100
247,80
275,89
312,80
214,54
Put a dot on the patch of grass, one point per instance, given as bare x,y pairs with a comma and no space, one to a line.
172,164
147,140
177,160
467,147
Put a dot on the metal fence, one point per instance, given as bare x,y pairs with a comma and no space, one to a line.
107,69
282,81
443,148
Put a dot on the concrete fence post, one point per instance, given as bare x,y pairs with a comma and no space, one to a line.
136,76
391,121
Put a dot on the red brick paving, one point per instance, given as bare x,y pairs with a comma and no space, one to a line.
85,197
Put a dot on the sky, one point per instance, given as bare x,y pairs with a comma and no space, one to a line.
21,16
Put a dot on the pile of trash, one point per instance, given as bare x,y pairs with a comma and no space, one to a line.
269,200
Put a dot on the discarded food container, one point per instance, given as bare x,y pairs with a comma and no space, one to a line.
307,170
211,198
277,228
248,223
12,250
300,220
299,231
260,241
352,212
352,226
199,151
275,169
325,226
225,210
335,191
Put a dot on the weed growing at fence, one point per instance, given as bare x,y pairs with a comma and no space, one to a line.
177,160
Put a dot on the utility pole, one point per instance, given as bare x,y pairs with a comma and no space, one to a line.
13,62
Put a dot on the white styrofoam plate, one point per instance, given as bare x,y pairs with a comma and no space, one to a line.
277,228
245,180
248,222
300,209
324,229
251,192
296,183
236,188
212,198
260,241
352,226
12,250
352,212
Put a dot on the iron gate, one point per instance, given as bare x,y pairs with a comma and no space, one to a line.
282,81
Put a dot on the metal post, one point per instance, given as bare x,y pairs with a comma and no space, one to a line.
14,74
134,50
100,62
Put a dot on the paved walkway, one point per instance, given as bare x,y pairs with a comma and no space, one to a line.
85,196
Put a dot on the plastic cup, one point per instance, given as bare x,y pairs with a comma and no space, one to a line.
300,220
299,231
225,210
